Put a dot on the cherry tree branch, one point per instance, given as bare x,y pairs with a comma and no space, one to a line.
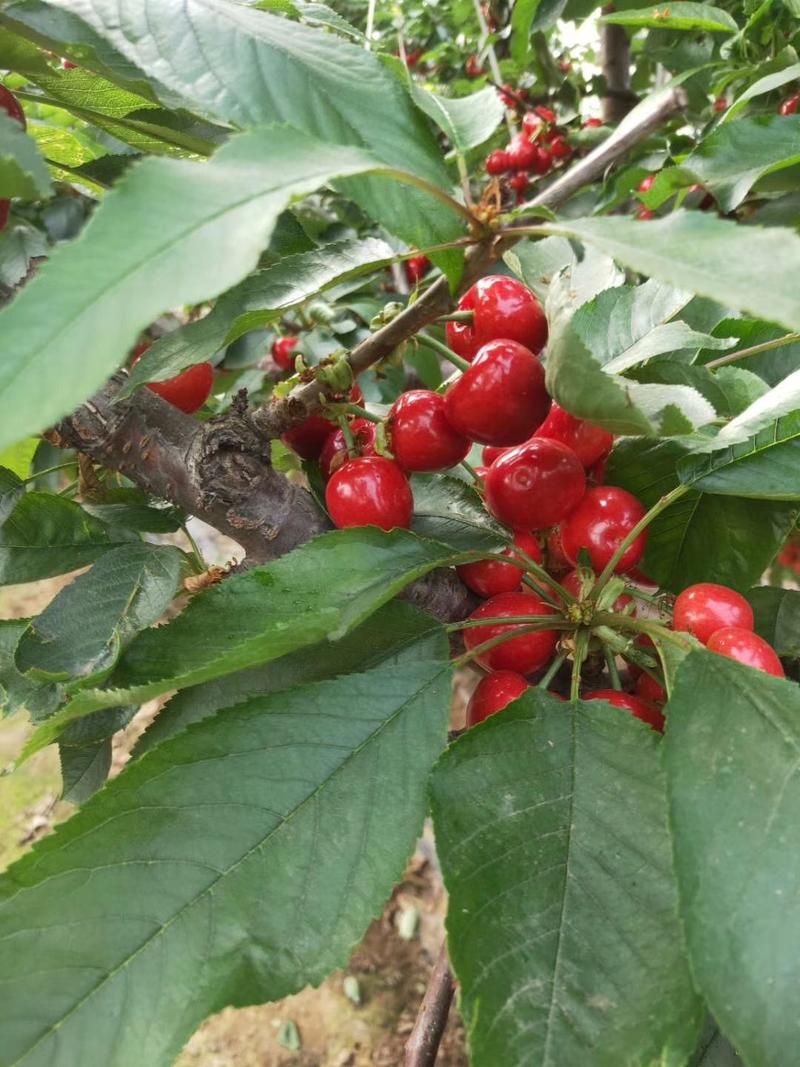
423,1042
615,61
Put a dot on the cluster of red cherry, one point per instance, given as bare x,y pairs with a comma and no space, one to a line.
535,150
11,106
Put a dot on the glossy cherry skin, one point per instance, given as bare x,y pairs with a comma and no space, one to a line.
560,148
501,398
492,693
600,523
12,106
589,443
651,691
473,68
519,183
746,647
647,183
497,162
522,654
490,453
490,577
639,708
416,268
334,451
790,105
308,439
543,162
503,307
522,153
188,390
369,491
644,215
282,352
593,124
422,438
704,608
535,485
532,125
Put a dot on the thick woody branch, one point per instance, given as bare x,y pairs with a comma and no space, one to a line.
423,1043
615,61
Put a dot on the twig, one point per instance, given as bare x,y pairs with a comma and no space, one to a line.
753,350
423,1043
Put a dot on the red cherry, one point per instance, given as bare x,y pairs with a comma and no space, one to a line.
509,95
597,472
589,443
522,154
497,162
651,691
503,307
282,351
532,125
334,451
543,161
519,181
422,438
646,184
12,106
490,577
492,693
308,438
592,124
369,491
790,105
644,215
65,63
546,115
188,390
639,708
746,647
523,654
412,58
535,485
5,212
500,399
560,148
600,523
720,104
472,67
416,268
704,608
489,454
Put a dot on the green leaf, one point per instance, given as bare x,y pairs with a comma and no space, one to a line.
700,538
735,156
773,365
12,489
577,380
714,1050
777,618
522,16
82,631
538,262
258,301
47,535
747,268
84,769
18,693
134,510
731,761
450,511
101,291
164,909
19,244
330,89
764,467
467,121
385,633
562,925
263,614
23,172
768,84
729,390
18,457
678,15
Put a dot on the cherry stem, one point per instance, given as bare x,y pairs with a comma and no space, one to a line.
347,433
533,570
362,413
49,470
654,629
753,350
641,525
457,316
551,671
471,471
469,624
443,350
493,642
198,555
613,673
579,655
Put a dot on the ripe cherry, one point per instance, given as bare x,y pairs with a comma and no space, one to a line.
473,68
704,608
720,104
535,485
12,106
546,115
519,183
637,707
600,523
523,654
416,268
497,162
644,215
560,148
647,183
369,491
650,690
490,577
790,105
592,124
412,57
501,398
532,125
489,454
522,153
422,438
543,162
746,647
308,438
492,693
188,390
589,443
503,307
282,352
334,451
